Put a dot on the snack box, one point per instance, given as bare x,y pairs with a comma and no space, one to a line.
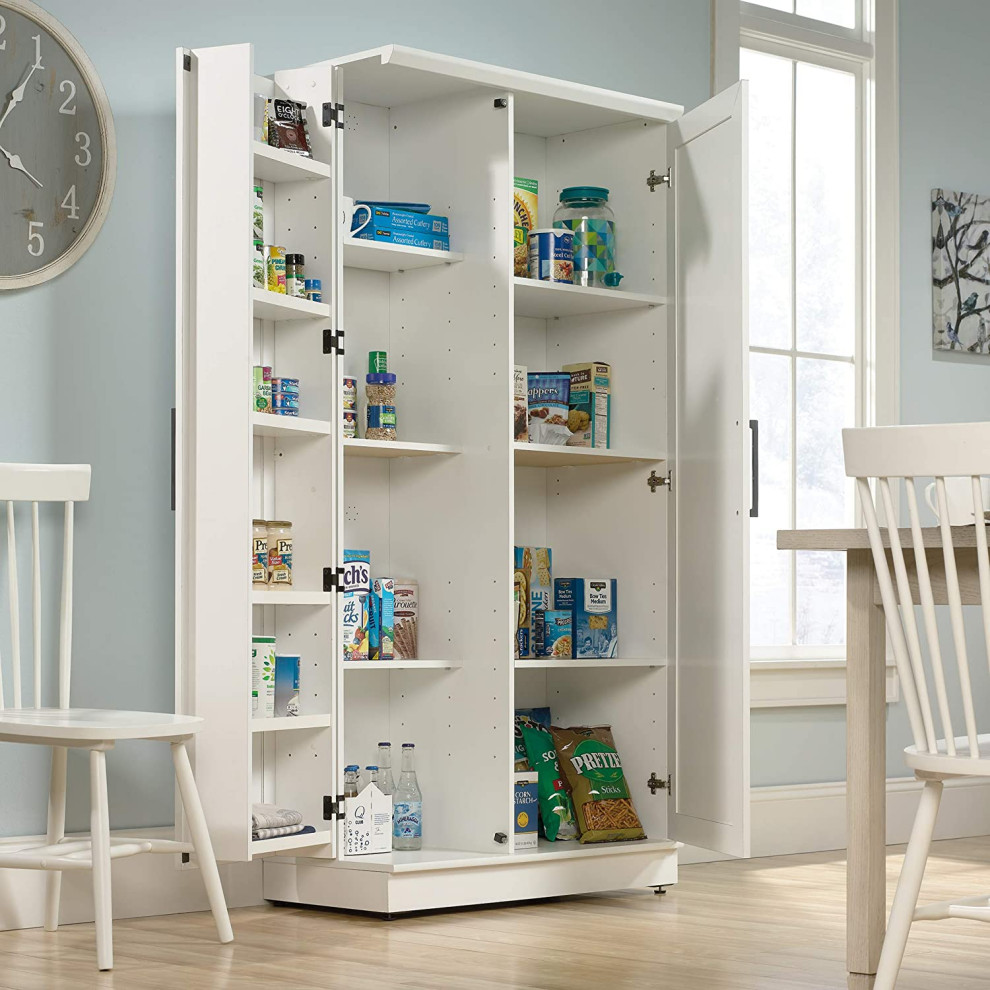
548,396
393,219
527,804
520,404
589,404
406,238
381,629
533,577
262,676
286,685
552,633
356,584
594,607
525,200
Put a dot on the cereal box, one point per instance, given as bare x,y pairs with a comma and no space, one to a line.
381,630
593,604
525,197
357,587
520,404
534,580
552,633
589,404
526,806
549,394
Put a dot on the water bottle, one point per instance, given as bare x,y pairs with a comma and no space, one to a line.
386,782
407,804
351,786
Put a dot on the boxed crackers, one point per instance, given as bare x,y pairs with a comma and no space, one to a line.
589,404
357,588
520,404
593,604
552,633
532,577
549,394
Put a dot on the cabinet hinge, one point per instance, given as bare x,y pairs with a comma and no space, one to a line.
333,114
656,784
333,579
653,180
655,482
333,341
333,808
187,62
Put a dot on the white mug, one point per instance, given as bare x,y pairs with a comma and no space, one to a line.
349,210
958,499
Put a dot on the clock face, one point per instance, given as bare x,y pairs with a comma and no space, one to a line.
52,153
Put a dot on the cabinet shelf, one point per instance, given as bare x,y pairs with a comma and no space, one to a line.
394,448
379,256
277,165
277,306
551,455
401,665
290,724
549,300
551,662
263,847
270,425
288,597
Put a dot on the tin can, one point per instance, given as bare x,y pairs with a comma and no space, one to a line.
314,289
350,423
551,255
275,267
258,214
285,386
349,392
280,401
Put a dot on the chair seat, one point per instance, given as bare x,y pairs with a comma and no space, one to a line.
92,724
962,764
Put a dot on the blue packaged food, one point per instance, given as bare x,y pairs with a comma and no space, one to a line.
280,402
388,218
406,238
286,412
285,385
594,607
551,255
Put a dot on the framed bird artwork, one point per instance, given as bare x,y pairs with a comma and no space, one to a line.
960,272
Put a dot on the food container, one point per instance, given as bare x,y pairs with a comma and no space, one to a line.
350,424
275,267
381,423
551,255
259,551
258,213
259,278
295,275
349,392
584,211
314,289
406,619
262,676
380,389
285,386
280,553
262,388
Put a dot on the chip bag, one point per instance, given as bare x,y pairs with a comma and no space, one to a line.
556,810
597,785
534,716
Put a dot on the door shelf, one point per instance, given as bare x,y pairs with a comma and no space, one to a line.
277,165
558,662
288,597
289,724
263,847
550,300
277,306
401,665
379,256
551,455
394,448
270,425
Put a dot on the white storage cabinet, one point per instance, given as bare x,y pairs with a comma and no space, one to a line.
447,503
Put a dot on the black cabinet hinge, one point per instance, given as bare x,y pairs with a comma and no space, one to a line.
333,341
333,579
333,808
187,62
653,180
655,482
333,114
656,784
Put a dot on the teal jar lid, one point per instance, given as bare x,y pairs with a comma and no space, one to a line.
580,194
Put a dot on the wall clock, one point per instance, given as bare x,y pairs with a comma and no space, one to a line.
58,153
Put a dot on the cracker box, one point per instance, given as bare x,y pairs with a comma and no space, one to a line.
286,685
381,630
520,405
552,633
526,806
548,396
589,404
525,198
533,578
368,822
357,587
594,607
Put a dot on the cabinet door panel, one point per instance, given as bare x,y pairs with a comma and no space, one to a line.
708,695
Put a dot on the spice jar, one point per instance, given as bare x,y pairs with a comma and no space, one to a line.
259,551
584,210
381,421
295,275
280,553
380,389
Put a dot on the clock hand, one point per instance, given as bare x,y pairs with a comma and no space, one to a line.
18,94
15,162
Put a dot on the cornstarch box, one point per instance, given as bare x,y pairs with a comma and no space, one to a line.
532,576
589,404
594,607
526,804
357,588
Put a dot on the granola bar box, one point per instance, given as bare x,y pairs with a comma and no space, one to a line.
589,405
594,607
549,393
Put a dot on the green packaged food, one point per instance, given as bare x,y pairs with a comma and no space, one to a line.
556,809
532,716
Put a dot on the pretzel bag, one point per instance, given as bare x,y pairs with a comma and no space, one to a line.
593,771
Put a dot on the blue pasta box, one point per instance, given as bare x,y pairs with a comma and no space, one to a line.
381,620
594,607
286,685
526,805
393,219
406,238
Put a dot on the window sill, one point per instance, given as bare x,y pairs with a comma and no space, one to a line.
805,683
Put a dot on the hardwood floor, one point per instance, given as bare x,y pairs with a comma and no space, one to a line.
764,924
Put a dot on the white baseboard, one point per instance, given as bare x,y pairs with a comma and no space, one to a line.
142,885
803,818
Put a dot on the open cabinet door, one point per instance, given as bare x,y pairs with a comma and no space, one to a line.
708,691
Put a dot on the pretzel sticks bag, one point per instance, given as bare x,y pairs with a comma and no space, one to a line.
593,770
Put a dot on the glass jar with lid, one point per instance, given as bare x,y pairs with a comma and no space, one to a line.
584,210
280,553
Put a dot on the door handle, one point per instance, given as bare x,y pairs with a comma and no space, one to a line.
754,509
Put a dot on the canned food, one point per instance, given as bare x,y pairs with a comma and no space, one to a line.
275,266
551,255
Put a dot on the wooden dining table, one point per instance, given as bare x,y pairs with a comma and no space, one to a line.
866,739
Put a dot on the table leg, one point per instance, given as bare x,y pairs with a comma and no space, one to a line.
866,772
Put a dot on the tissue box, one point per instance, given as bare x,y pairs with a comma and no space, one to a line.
594,607
368,822
526,805
286,685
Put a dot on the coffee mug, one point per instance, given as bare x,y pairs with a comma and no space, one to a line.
958,499
350,208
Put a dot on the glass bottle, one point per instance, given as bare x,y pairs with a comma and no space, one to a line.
351,781
584,211
386,782
407,804
372,776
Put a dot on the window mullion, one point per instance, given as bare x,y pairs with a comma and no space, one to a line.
793,359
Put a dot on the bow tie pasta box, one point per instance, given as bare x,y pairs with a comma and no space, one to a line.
594,607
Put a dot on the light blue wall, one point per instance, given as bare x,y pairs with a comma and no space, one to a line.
944,142
88,358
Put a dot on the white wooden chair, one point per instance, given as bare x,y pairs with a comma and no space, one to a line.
911,453
63,728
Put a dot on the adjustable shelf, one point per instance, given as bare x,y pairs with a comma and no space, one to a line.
559,663
400,665
270,425
395,448
277,306
290,597
278,165
284,843
295,723
380,256
550,300
550,455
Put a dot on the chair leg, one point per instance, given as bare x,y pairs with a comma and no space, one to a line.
908,887
201,840
99,819
56,832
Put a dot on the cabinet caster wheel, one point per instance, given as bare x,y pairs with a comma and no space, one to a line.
659,891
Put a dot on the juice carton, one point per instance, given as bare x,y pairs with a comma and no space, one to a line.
594,607
589,404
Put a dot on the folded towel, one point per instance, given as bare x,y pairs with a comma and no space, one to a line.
274,833
272,816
